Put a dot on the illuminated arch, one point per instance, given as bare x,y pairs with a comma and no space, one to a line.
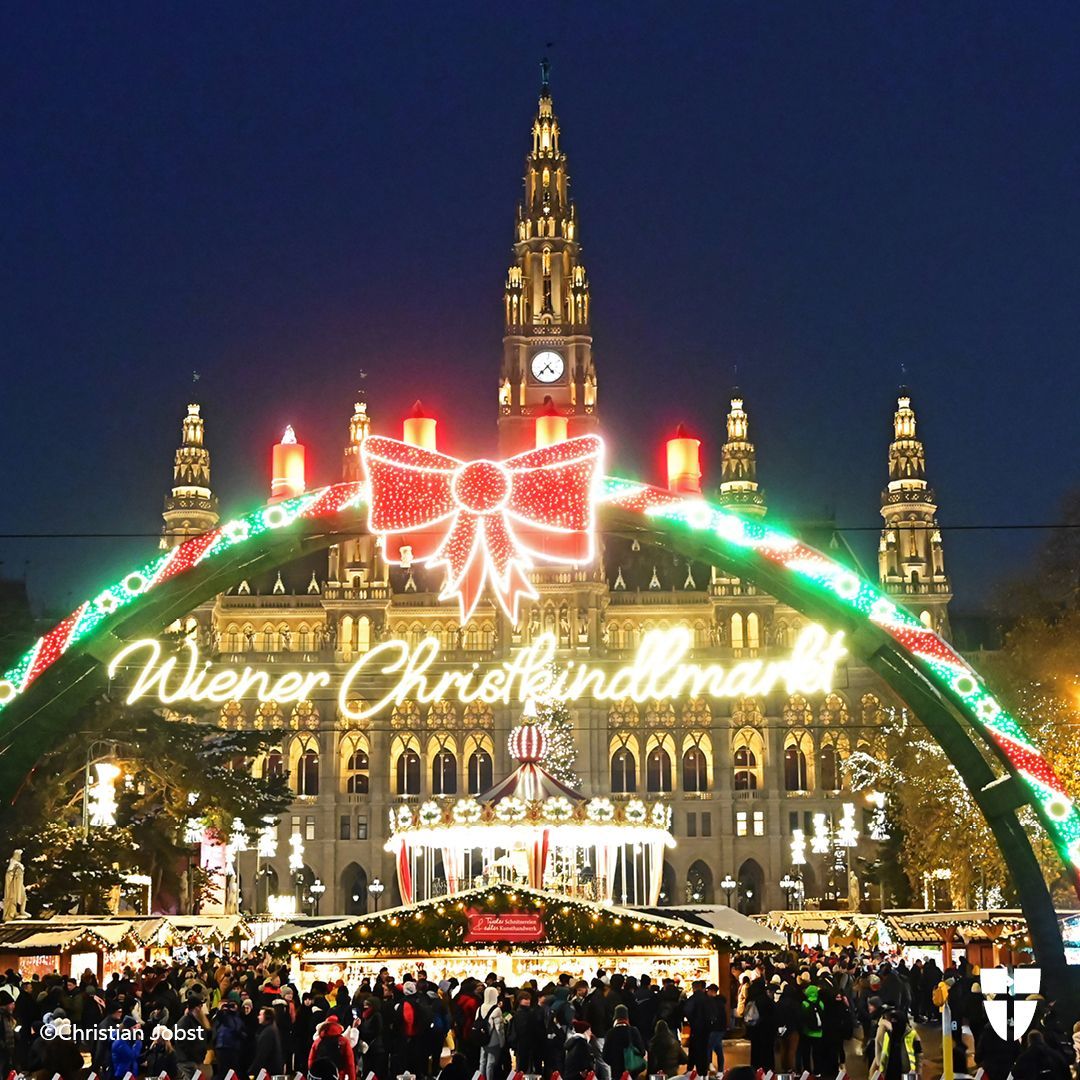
42,693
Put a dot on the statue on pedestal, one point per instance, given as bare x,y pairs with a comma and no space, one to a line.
15,888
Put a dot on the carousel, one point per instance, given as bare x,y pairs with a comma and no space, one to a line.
532,830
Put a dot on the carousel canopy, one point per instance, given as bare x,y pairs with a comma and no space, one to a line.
502,917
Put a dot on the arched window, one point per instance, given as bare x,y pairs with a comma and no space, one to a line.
408,772
737,641
307,773
796,772
481,773
830,771
695,770
623,771
274,764
745,769
753,631
444,773
658,770
358,771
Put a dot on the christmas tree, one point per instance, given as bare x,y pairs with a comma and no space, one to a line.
561,753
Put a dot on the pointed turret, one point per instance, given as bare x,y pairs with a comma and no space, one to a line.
359,430
911,560
191,507
547,346
739,489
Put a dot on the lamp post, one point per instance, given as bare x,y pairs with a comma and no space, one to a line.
789,885
728,884
317,889
375,890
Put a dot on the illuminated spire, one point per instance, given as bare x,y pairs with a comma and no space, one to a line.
546,295
191,507
739,489
911,562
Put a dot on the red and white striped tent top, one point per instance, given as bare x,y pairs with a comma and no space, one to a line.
529,782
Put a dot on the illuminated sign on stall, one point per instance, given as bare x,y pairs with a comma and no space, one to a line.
658,671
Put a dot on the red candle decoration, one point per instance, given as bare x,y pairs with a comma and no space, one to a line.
419,428
287,477
684,463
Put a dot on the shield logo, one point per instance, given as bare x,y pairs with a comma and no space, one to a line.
1009,1012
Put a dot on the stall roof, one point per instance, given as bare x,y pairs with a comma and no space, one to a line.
735,931
51,935
726,921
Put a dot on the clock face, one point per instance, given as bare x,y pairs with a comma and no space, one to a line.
547,367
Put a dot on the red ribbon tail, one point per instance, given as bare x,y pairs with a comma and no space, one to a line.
512,587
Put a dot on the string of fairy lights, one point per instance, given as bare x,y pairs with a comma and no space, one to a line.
442,923
949,672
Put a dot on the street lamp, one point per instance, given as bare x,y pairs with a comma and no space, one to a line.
317,889
788,884
375,890
728,885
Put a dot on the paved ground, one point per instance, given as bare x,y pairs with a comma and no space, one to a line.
737,1052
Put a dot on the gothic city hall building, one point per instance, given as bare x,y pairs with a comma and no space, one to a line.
743,776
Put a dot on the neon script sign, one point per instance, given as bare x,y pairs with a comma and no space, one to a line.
659,670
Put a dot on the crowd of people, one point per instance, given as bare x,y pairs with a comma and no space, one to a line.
799,1013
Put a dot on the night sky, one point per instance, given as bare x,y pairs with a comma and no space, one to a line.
832,198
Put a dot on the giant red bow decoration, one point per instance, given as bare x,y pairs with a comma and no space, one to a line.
484,519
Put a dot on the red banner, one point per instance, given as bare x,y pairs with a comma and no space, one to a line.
513,926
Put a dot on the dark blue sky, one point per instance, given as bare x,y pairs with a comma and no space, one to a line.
280,195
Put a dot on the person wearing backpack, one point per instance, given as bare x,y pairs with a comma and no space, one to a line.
331,1056
415,1025
811,1028
489,1033
528,1035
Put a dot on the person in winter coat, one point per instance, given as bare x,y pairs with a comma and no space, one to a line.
890,1044
373,1037
160,1056
491,1024
191,1048
788,1018
126,1052
8,1042
268,1052
994,1055
583,1054
227,1035
528,1035
759,1015
643,1010
665,1052
1039,1061
811,1021
331,1054
621,1038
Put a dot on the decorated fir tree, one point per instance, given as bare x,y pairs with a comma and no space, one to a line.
560,754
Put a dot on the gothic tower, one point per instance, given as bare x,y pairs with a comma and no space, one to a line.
739,489
353,561
547,344
191,508
911,562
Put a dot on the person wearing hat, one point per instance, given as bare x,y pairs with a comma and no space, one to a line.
624,1048
583,1054
191,1047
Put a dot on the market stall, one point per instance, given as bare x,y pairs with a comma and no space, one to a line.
519,933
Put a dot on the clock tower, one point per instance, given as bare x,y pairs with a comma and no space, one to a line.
547,345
